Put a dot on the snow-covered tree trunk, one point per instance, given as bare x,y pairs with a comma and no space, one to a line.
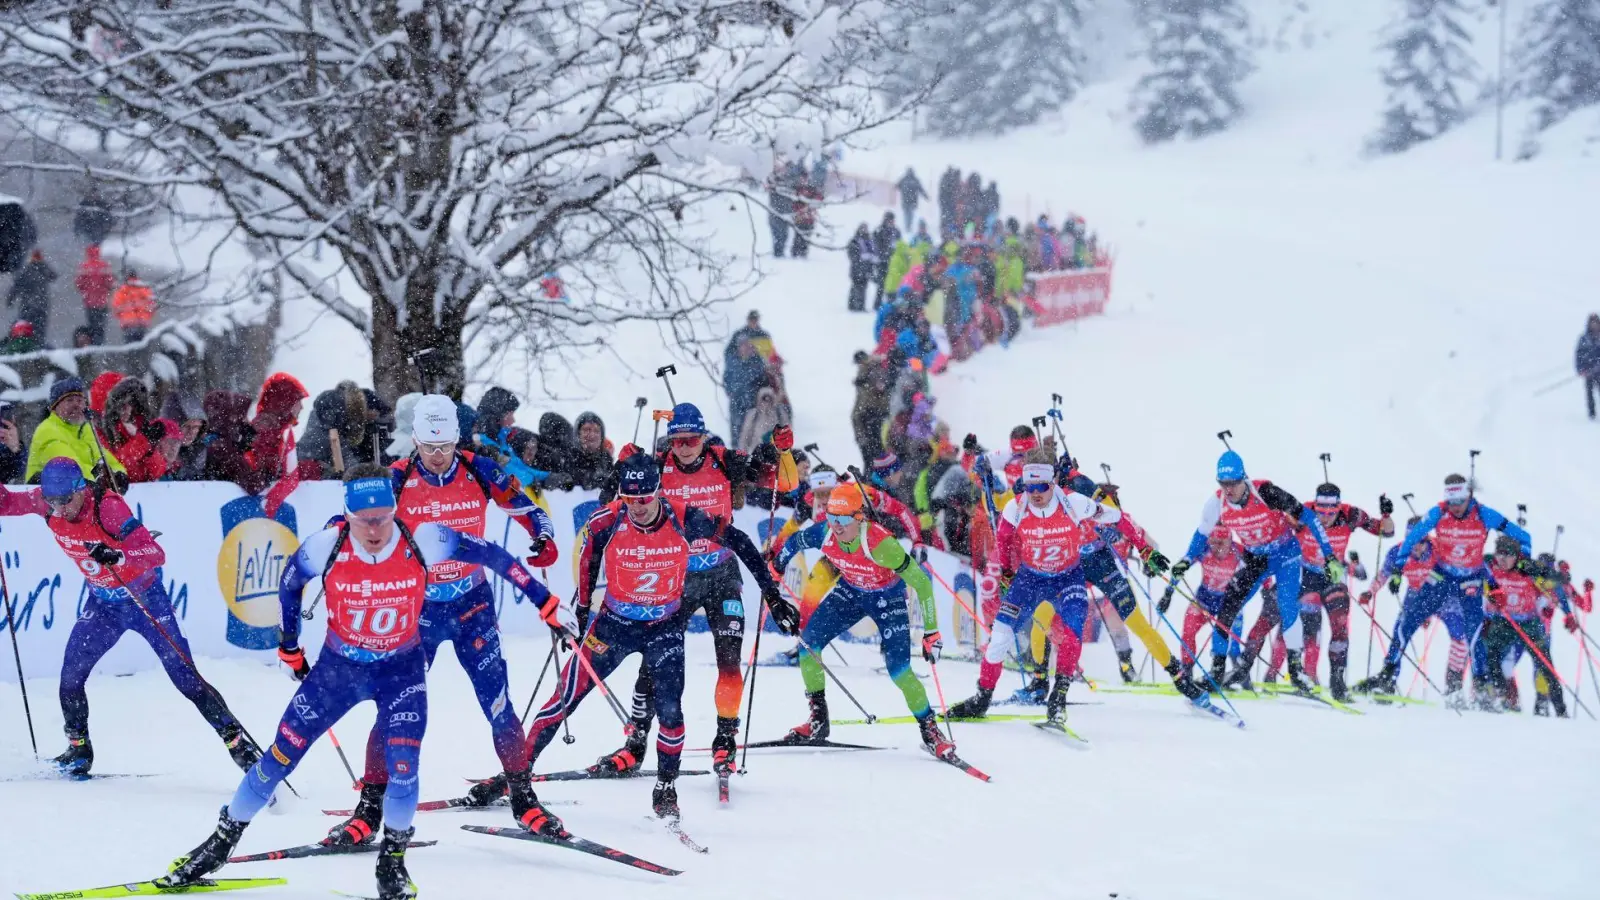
1198,52
1431,75
1558,59
453,153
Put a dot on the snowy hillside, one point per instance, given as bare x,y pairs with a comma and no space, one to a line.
1270,281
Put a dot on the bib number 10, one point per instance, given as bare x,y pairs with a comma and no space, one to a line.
381,622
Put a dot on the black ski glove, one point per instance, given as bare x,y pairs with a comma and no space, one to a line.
104,555
1166,599
1385,505
784,615
1155,564
1181,568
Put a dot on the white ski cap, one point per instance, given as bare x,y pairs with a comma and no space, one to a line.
434,420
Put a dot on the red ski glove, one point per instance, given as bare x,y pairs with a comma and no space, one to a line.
783,437
544,554
1366,598
1570,622
295,659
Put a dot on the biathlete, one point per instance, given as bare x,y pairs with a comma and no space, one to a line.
1041,537
374,572
443,485
642,543
874,572
121,562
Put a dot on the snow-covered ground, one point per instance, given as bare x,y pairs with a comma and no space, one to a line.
1270,281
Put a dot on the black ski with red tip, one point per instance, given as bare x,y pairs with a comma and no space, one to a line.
305,850
579,844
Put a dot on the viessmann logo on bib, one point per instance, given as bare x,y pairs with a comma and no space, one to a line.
368,587
435,508
646,552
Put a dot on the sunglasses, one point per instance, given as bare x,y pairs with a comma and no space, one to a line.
840,521
1230,485
687,440
638,499
1039,488
58,502
436,449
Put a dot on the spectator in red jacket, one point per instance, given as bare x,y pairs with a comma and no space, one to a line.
130,431
95,283
228,440
272,454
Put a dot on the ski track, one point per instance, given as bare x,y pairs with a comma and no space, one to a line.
1401,795
1393,313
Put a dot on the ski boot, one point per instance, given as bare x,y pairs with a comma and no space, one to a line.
1036,690
1336,688
1454,696
487,791
933,740
725,746
1512,698
1541,706
244,751
208,857
528,811
1184,683
1219,671
1383,682
627,759
974,707
78,758
1297,675
816,727
664,800
394,883
363,823
1055,706
1125,667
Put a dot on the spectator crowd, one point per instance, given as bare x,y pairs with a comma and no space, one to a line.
34,295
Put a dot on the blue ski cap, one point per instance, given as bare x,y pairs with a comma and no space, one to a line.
686,419
1230,467
61,477
638,476
368,493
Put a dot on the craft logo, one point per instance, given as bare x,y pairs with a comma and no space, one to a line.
249,565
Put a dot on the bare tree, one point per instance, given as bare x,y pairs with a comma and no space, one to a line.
454,152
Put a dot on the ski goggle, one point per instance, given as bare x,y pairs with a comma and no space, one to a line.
839,521
371,519
1037,487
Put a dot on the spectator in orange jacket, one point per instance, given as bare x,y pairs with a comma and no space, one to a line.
135,305
95,283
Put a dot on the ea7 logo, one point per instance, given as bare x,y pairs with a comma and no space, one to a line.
303,709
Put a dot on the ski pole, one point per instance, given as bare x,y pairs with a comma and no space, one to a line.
662,374
1539,655
540,683
658,416
1223,437
750,675
638,404
818,657
575,646
944,708
16,654
354,781
566,729
1560,384
187,660
1326,458
1404,651
1372,589
1175,633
